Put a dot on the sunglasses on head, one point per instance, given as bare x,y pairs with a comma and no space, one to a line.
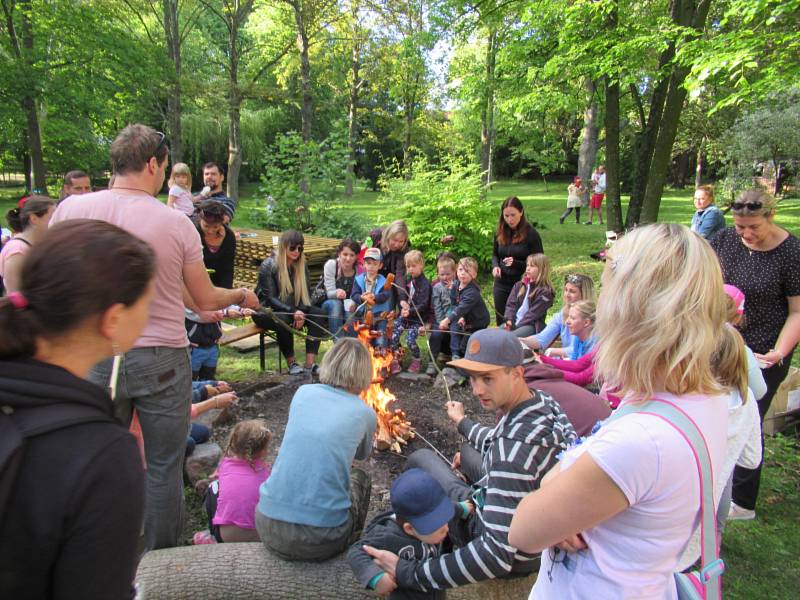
574,279
295,248
747,205
162,141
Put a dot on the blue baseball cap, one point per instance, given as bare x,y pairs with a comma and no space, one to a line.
419,499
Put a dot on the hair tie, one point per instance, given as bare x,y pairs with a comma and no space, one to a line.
18,300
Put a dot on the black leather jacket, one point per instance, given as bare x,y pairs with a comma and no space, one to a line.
268,289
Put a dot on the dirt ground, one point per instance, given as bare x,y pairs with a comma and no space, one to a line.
269,398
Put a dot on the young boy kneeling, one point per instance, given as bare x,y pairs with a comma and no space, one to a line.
417,529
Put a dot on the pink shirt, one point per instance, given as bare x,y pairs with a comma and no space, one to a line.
13,247
173,238
238,492
183,200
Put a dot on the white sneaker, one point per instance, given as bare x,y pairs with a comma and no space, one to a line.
737,513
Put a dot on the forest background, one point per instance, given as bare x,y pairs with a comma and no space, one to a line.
314,97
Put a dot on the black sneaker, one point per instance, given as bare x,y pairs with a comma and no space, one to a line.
295,369
313,369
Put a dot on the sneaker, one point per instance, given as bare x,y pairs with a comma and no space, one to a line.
431,370
295,369
415,365
203,537
395,367
588,223
561,220
313,369
737,513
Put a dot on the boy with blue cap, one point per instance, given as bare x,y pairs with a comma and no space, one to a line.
416,528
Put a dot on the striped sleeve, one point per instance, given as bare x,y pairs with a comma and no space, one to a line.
475,433
489,555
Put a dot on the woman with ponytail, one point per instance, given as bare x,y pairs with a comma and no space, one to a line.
28,220
70,522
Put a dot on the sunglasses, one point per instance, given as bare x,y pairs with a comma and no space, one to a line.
574,279
747,205
161,142
295,248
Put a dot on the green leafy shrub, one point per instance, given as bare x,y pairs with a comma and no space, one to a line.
443,201
299,186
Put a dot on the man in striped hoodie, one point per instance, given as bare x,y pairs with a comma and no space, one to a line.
504,463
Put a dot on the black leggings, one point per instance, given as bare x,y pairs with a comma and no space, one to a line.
747,481
315,317
500,292
569,210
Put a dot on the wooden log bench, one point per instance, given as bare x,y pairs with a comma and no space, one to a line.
249,330
247,571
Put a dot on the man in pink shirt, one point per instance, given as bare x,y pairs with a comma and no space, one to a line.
155,376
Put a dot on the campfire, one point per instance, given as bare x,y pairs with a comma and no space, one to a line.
393,428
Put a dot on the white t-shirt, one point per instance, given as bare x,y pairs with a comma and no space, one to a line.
183,200
634,554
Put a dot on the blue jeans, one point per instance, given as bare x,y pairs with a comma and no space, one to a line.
204,357
335,309
157,382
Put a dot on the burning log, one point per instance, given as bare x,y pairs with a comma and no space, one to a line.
393,428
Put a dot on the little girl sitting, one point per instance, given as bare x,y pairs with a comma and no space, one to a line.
468,312
231,500
580,322
530,298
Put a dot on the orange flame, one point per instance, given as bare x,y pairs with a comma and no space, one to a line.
393,427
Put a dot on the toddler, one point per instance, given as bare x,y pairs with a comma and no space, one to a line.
440,302
180,183
413,318
416,528
368,288
231,500
468,312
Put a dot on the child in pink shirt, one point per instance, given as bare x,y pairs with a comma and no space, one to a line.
231,500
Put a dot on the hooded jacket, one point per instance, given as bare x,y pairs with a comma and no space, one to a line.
516,454
583,408
73,518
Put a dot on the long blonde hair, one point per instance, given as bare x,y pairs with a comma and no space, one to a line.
659,314
248,440
542,262
729,361
395,228
297,289
584,283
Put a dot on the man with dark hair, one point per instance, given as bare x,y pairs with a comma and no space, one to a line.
503,464
75,183
213,177
155,376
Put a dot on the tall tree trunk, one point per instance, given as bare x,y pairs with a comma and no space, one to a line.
173,38
693,14
698,170
613,198
355,85
234,108
587,154
307,108
410,114
24,55
487,108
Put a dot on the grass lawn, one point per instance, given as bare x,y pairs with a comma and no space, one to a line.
761,556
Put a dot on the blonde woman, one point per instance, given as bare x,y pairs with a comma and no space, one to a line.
763,261
283,287
314,504
576,287
707,219
613,518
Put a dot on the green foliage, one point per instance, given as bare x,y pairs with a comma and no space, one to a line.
441,201
300,185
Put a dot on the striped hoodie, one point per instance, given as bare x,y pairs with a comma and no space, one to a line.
517,453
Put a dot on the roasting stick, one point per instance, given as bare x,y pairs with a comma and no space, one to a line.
112,384
434,448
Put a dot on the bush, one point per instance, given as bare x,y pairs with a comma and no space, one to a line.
300,184
443,201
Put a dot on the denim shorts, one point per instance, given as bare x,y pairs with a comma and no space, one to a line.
204,357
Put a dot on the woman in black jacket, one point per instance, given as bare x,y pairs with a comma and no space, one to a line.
70,525
283,287
514,242
219,243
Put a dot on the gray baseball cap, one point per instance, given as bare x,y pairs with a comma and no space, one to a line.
490,349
